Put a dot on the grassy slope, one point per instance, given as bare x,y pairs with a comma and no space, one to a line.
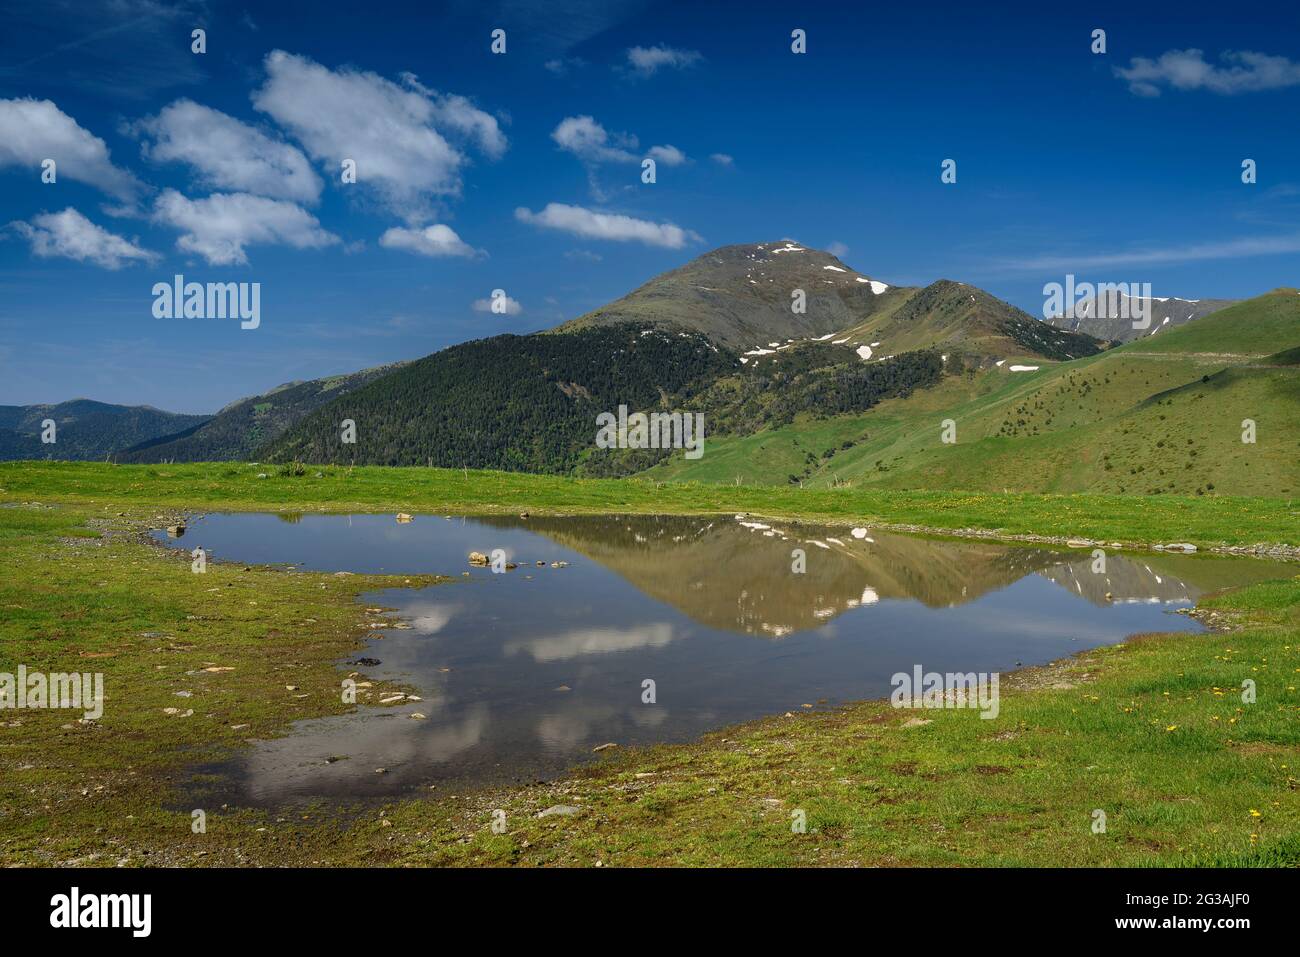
1126,518
1152,732
1143,410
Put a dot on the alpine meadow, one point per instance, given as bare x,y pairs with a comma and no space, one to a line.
642,435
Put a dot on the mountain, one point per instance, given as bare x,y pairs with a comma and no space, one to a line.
1111,317
741,297
967,320
84,429
241,427
858,389
1160,415
685,341
522,403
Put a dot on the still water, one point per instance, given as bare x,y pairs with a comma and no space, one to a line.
522,673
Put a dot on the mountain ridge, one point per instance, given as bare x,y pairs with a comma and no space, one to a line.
84,428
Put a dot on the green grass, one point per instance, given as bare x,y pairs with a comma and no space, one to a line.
1203,521
1256,327
81,592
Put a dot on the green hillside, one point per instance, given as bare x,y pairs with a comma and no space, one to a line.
522,403
241,427
1157,416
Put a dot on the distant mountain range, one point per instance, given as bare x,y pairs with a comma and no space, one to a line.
238,430
84,429
1111,317
807,371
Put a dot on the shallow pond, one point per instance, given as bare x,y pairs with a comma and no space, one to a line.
522,673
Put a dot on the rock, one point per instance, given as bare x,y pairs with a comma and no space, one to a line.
477,558
261,475
403,518
563,688
523,514
917,722
604,747
1185,548
565,810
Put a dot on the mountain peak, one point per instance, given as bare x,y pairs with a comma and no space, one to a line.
749,294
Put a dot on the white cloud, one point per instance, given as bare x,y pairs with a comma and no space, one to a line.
592,143
513,308
837,249
228,154
588,140
220,226
646,61
436,240
612,226
394,133
1240,248
71,235
33,130
450,110
583,255
722,159
1243,71
667,155
562,65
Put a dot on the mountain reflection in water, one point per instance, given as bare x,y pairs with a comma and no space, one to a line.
521,674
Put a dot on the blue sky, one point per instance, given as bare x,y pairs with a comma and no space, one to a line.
225,166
